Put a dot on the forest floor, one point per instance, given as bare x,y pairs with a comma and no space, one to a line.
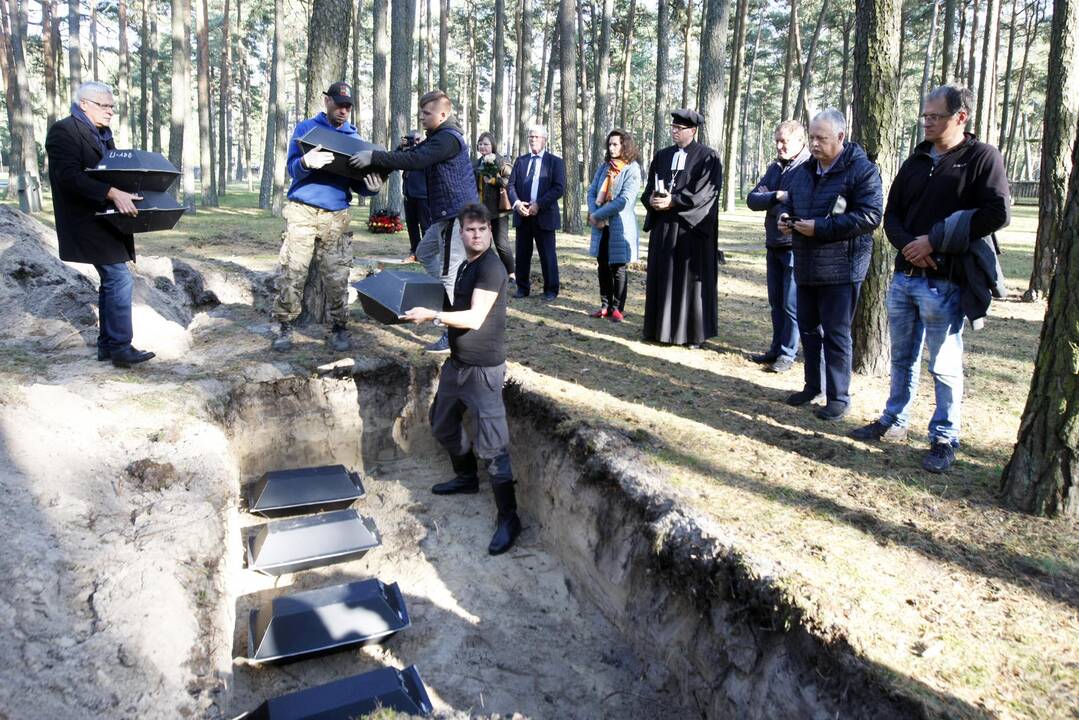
926,576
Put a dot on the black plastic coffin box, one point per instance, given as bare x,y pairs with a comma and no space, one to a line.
135,171
157,211
312,489
385,296
352,697
294,544
343,147
314,622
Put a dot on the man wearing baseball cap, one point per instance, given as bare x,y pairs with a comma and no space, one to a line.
316,218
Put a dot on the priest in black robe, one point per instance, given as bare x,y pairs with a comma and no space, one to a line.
681,198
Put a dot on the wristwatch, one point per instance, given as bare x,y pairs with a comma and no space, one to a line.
437,320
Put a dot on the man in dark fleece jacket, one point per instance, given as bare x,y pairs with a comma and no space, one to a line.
950,173
769,196
317,217
834,203
444,158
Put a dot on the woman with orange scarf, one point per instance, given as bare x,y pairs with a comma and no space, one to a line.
612,197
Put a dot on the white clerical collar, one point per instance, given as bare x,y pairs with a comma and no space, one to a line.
678,160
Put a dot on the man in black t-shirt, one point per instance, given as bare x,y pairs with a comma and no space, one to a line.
472,377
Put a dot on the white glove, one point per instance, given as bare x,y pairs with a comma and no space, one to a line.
316,158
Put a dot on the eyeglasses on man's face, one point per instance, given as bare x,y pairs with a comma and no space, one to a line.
103,106
678,128
930,118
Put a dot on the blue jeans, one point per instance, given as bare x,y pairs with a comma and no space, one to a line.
114,307
782,299
825,313
926,310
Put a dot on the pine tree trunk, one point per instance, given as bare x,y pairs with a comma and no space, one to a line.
687,45
1042,476
473,92
498,91
734,97
95,64
23,131
355,72
443,44
960,72
927,68
985,111
1005,108
801,105
155,84
948,49
49,61
269,151
603,77
571,201
876,56
327,48
552,64
1032,23
524,76
844,98
280,111
972,49
627,67
712,73
743,152
660,109
207,190
380,78
178,103
1061,113
788,70
144,80
123,77
74,45
223,107
402,22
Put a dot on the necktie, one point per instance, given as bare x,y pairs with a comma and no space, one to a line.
532,167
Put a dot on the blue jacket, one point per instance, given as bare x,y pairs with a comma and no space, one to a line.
763,197
414,184
318,187
623,242
847,204
552,183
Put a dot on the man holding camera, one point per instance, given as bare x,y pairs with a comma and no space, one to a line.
680,195
472,377
316,224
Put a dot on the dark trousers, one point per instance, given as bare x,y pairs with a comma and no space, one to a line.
114,307
500,229
479,389
612,277
529,232
416,221
825,313
782,299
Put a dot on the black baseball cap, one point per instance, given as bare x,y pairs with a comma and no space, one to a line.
340,93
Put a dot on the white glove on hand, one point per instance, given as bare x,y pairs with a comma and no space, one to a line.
316,158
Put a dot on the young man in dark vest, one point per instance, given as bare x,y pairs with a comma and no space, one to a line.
473,376
444,158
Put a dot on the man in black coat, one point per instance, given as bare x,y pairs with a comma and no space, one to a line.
73,144
536,184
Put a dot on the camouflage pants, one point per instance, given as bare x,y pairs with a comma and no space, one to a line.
314,233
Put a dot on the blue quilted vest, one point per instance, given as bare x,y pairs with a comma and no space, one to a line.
451,183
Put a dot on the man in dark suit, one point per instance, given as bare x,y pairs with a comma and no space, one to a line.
536,184
73,144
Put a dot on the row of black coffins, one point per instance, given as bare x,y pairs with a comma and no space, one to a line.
147,174
315,526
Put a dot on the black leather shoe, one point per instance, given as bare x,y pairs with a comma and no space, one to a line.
520,294
833,410
103,355
764,358
457,486
804,396
130,356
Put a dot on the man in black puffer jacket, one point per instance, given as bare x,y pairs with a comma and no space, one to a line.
834,203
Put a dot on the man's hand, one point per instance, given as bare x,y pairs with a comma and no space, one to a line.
784,223
660,202
782,195
360,160
124,202
919,253
316,158
521,207
373,182
533,209
419,315
806,227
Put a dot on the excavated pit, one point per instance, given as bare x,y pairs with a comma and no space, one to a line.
613,603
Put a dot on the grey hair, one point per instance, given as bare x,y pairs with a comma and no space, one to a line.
957,97
834,118
792,128
92,87
538,129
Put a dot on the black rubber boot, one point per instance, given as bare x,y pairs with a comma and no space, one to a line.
509,525
467,482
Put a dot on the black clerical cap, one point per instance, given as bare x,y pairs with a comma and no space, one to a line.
340,93
687,117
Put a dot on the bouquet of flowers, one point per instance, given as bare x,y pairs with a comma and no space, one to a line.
489,168
384,221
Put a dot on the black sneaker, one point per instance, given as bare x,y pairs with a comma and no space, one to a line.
833,410
939,458
877,430
764,358
804,396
